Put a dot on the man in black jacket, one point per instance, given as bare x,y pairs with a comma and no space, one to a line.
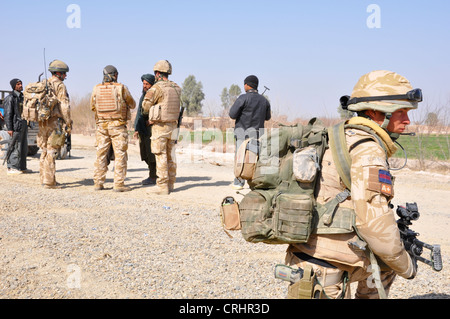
250,111
13,105
143,131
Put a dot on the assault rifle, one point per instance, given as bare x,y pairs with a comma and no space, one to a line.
180,118
12,142
409,237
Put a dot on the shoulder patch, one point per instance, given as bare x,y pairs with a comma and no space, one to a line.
380,181
384,176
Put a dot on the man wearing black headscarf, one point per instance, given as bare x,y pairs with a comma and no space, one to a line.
143,131
15,125
250,111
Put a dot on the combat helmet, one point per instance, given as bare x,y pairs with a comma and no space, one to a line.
110,73
163,66
58,66
383,91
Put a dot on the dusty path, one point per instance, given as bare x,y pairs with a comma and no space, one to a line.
77,243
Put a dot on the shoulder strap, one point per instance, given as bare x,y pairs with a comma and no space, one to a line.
340,153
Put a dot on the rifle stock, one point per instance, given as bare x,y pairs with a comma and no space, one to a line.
180,118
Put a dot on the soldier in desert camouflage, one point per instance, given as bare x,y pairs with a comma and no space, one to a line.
51,136
382,100
111,101
162,104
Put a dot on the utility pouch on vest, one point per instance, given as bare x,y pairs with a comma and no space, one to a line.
293,216
273,217
154,113
305,164
246,158
229,214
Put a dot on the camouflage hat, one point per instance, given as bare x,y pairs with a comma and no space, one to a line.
110,69
163,66
376,85
58,66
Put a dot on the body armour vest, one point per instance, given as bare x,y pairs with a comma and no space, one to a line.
109,102
167,109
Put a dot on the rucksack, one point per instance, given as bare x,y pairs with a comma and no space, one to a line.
281,207
39,101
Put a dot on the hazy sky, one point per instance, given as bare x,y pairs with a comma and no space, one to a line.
309,53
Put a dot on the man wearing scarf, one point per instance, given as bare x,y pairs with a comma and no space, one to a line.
143,131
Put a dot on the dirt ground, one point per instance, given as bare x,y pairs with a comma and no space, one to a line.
204,178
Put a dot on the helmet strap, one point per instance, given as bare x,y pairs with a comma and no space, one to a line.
59,76
387,118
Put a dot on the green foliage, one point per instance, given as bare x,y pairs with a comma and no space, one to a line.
425,147
192,95
229,96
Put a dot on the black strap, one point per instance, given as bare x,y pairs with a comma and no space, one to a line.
313,260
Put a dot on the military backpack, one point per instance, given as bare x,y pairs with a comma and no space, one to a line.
39,101
281,207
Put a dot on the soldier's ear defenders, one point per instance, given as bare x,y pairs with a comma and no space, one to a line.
413,96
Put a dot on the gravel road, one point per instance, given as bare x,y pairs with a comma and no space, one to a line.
77,243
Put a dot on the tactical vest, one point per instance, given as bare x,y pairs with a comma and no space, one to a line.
168,109
109,102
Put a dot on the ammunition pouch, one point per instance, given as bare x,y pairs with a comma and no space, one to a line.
246,158
229,214
57,139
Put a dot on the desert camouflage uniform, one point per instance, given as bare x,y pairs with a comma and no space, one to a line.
372,190
162,140
112,132
47,138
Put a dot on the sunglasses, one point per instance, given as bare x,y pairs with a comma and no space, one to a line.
413,96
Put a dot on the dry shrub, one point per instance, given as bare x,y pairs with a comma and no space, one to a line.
82,115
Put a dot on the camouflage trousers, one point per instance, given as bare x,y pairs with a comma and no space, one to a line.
163,146
117,135
335,283
49,139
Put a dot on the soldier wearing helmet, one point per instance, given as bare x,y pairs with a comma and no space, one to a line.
382,100
111,101
51,136
162,105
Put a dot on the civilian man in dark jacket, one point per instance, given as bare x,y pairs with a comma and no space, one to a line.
250,111
144,131
15,125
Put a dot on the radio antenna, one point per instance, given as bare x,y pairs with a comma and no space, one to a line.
45,66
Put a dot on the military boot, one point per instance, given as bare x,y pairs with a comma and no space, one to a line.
162,190
121,188
99,187
54,186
